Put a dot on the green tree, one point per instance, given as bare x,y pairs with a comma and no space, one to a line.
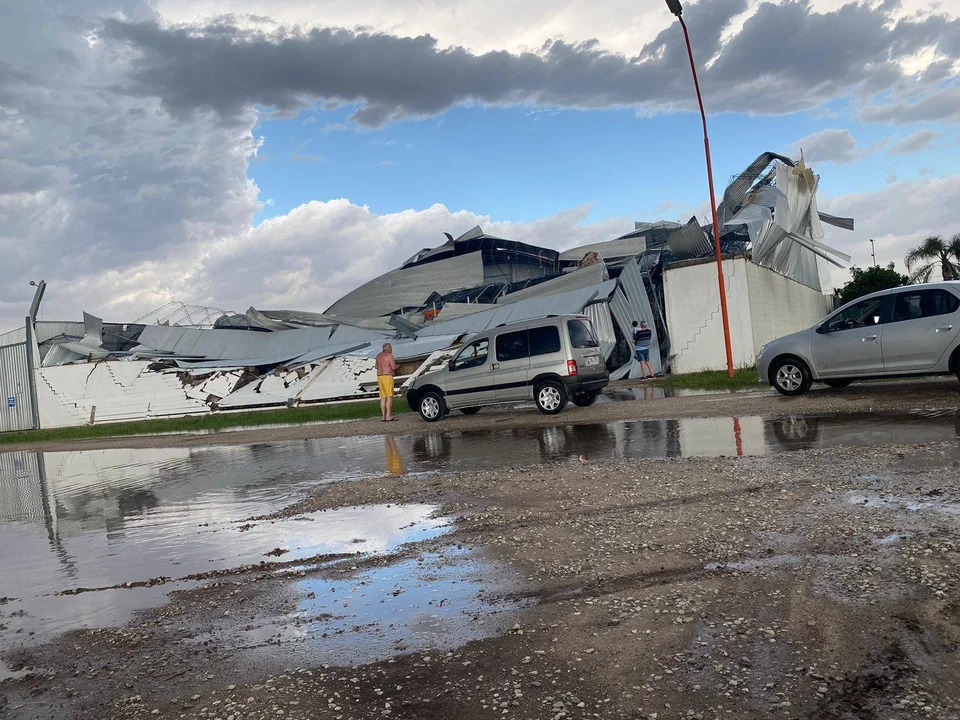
932,252
871,280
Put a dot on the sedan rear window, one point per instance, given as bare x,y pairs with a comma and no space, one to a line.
917,304
581,334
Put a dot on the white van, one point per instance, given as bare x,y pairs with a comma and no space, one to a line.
548,360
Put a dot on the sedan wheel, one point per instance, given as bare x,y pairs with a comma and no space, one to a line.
791,377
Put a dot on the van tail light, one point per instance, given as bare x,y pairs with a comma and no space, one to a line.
571,367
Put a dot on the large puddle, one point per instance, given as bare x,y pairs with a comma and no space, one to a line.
102,519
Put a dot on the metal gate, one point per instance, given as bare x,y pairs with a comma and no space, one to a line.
16,402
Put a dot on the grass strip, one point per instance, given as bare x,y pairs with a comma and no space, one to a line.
213,422
714,380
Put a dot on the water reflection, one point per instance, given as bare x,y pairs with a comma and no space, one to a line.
394,458
100,518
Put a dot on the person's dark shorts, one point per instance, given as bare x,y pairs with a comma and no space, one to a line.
643,354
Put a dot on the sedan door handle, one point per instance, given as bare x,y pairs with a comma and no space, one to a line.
945,328
869,338
495,366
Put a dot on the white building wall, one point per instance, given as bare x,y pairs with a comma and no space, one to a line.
763,305
692,299
780,306
120,391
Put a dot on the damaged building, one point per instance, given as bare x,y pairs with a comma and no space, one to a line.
192,361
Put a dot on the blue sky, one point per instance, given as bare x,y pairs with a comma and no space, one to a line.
525,163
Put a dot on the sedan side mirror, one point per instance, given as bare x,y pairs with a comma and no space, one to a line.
822,329
450,365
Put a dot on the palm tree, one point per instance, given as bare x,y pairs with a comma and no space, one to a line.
932,252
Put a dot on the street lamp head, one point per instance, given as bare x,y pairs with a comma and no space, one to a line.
674,7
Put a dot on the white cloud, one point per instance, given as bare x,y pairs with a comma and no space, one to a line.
305,259
918,141
92,181
831,146
897,217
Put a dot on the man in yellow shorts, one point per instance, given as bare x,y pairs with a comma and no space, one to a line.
386,369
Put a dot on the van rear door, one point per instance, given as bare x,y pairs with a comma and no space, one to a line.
584,347
546,352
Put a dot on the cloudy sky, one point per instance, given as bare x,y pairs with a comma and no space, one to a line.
280,152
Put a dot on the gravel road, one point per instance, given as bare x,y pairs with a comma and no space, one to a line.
812,584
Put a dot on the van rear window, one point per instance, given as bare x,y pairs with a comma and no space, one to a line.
544,340
581,334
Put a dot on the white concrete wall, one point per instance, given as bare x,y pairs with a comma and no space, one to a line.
120,391
692,299
762,304
780,306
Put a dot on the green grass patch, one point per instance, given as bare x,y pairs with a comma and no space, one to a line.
218,421
714,380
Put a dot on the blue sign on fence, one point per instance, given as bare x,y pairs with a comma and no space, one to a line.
11,402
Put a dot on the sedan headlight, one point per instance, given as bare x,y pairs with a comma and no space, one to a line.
762,348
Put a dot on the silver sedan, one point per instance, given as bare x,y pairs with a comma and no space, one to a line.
906,331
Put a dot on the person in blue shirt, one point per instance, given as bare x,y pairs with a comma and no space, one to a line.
642,338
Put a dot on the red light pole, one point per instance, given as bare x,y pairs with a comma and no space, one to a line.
676,9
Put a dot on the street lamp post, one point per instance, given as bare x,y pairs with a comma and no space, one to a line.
873,252
676,9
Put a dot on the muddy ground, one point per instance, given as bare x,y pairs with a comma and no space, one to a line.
813,584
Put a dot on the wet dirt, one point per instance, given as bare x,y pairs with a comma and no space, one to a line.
769,567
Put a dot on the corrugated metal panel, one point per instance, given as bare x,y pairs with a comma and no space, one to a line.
454,310
567,303
584,277
840,222
599,314
610,249
16,411
349,334
632,282
404,350
410,287
625,314
14,336
689,241
240,345
46,329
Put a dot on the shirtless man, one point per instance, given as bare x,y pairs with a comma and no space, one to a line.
386,369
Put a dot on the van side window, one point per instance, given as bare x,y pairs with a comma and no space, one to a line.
581,334
544,340
473,355
512,346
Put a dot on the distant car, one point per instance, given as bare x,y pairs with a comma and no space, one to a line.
548,360
904,332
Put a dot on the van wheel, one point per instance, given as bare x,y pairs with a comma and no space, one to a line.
551,397
790,377
837,383
432,407
585,399
470,410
